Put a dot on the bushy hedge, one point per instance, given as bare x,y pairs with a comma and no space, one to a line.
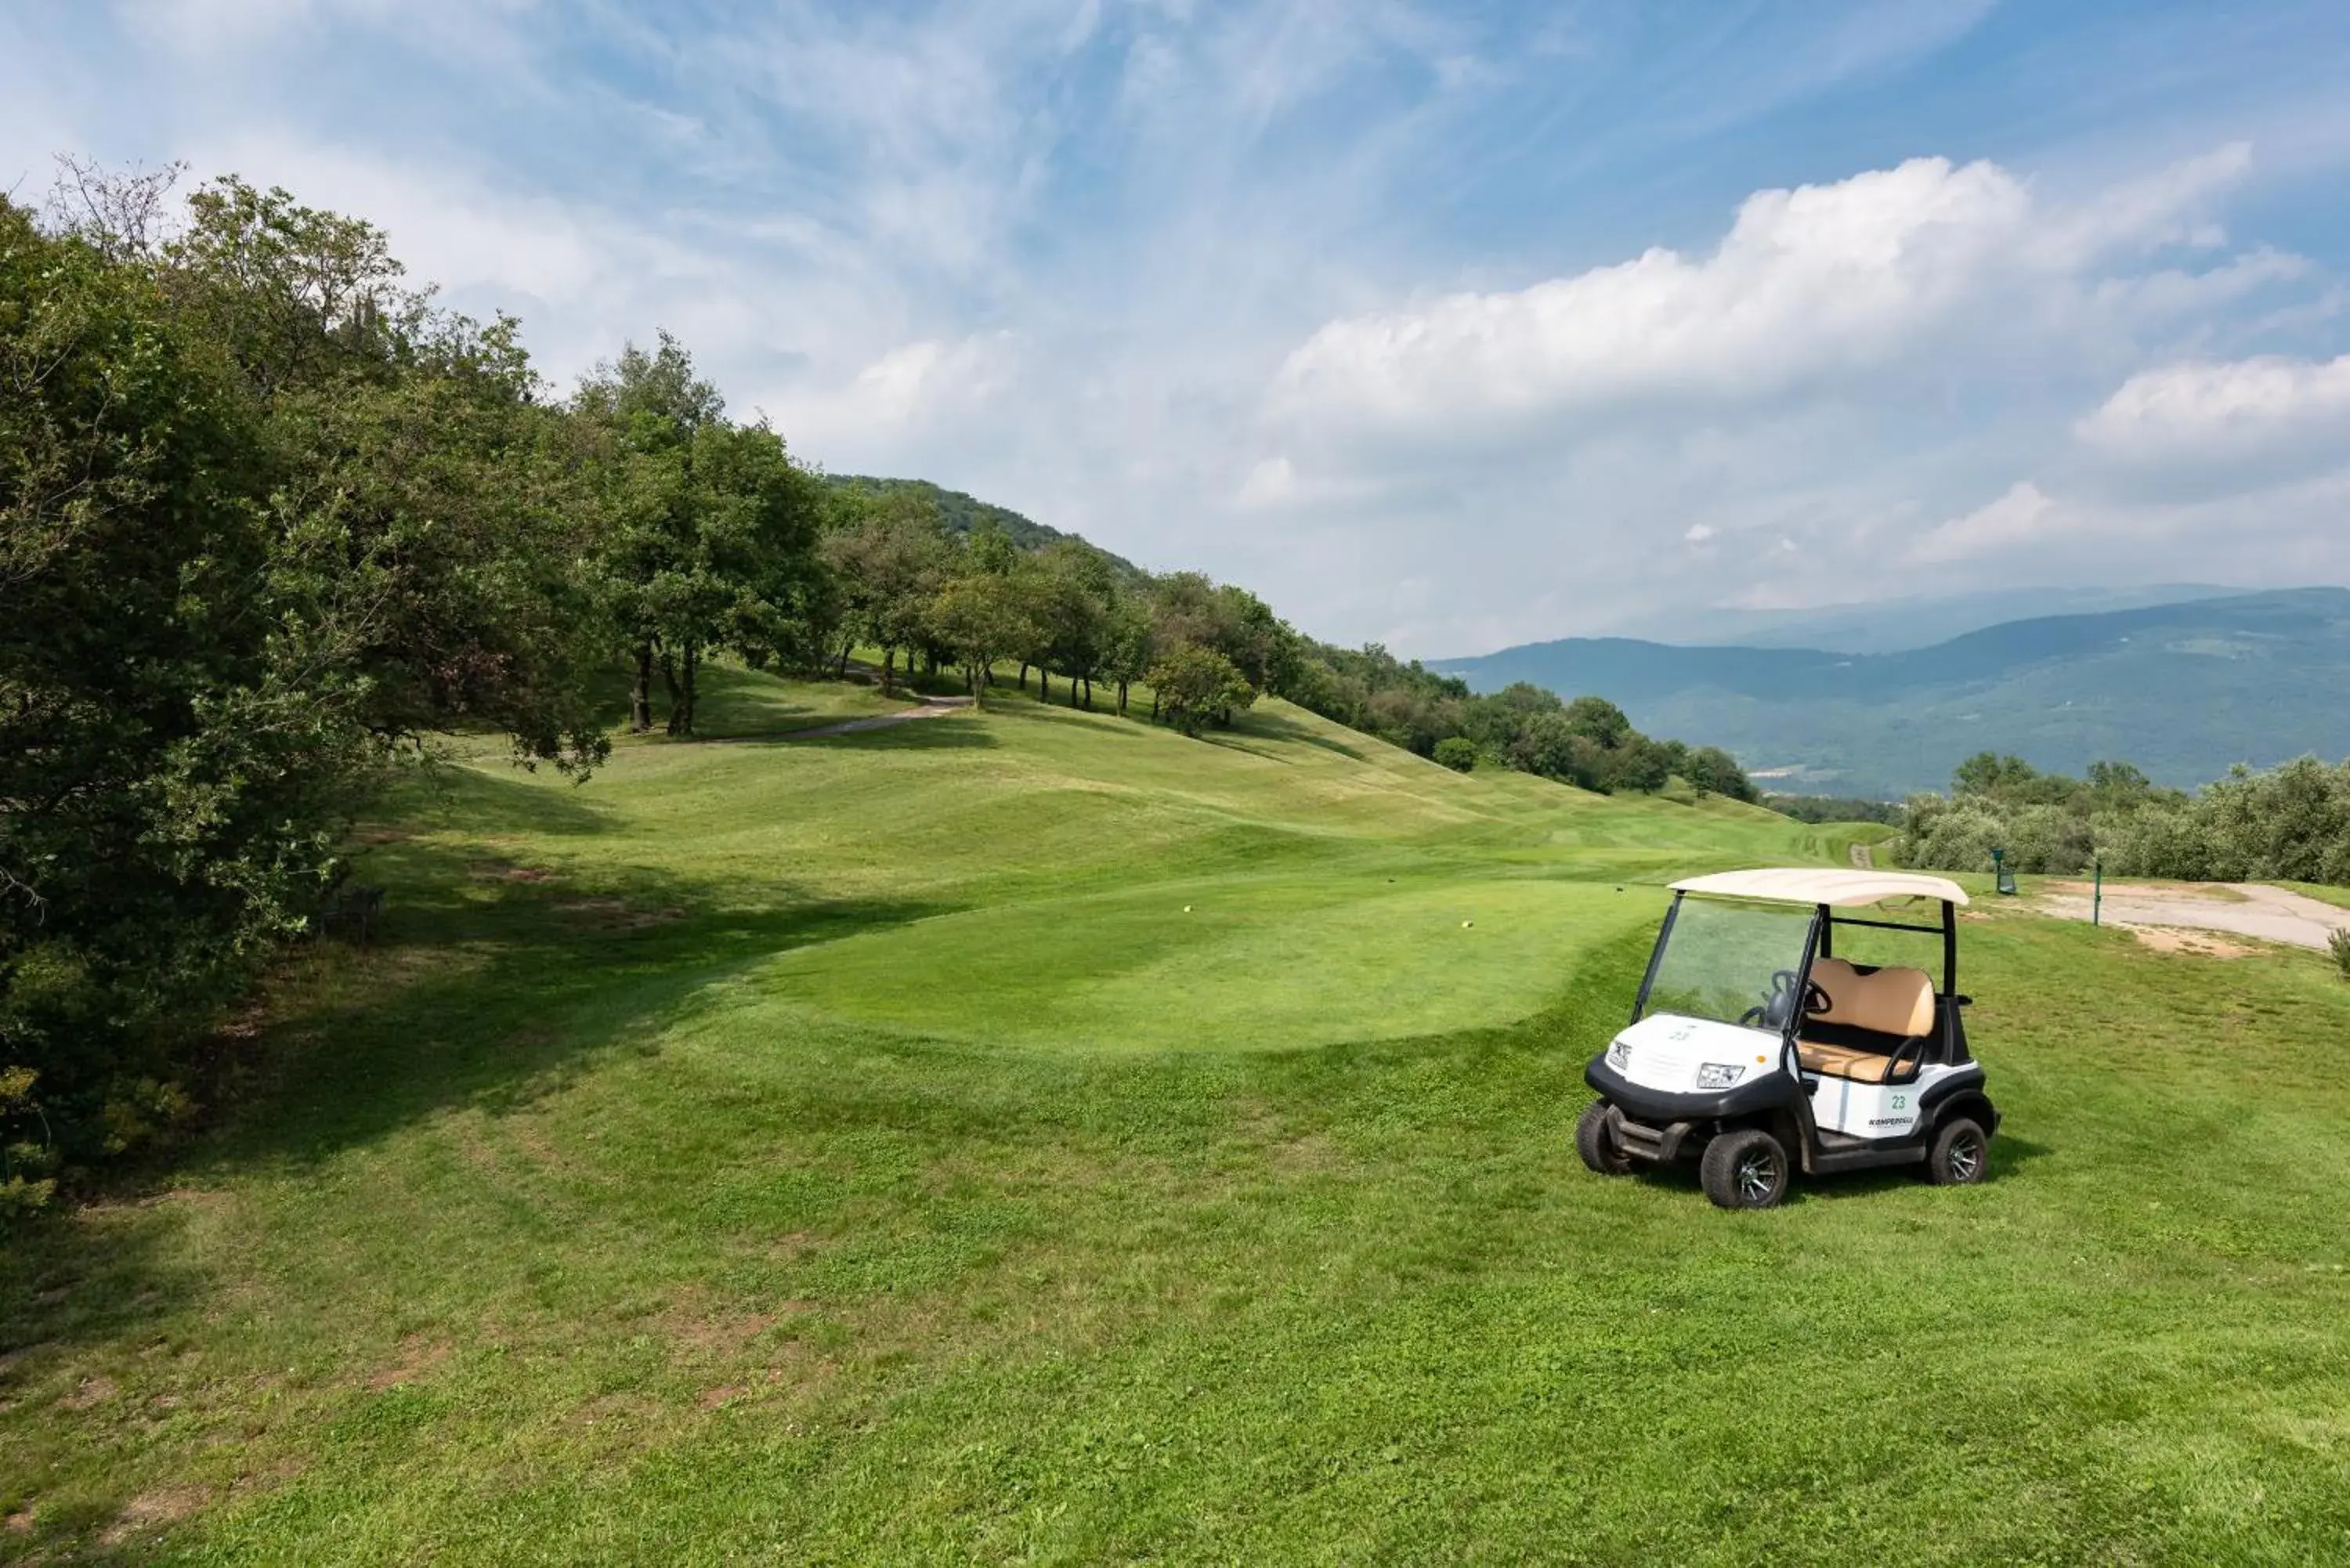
2285,824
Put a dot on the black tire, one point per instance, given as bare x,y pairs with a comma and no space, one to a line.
1960,1156
1597,1144
1747,1168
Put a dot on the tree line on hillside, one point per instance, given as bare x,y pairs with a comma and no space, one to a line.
2290,823
1820,808
271,519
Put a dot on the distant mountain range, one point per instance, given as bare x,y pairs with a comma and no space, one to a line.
2184,689
1889,625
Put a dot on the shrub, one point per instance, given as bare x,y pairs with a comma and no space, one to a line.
1196,684
1458,753
2337,942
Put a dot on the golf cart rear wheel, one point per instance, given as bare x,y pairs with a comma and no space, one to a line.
1595,1142
1960,1156
1744,1169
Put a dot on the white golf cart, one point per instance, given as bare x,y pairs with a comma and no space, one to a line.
1755,1049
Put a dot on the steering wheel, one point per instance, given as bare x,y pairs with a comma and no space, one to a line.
1772,1009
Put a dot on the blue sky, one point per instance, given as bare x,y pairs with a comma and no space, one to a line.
1449,327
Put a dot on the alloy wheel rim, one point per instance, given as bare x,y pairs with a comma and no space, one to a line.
1758,1173
1966,1158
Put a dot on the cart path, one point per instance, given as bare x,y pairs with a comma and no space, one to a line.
931,707
2243,909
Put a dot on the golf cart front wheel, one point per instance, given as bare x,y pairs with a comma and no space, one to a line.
1595,1142
1960,1156
1744,1169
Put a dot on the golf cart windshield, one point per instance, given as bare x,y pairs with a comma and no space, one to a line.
1730,963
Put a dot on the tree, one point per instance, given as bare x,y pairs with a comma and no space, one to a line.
1127,645
982,617
1076,594
1458,753
267,522
1712,771
647,408
1598,719
1195,684
888,548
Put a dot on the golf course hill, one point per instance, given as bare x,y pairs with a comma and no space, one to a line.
1032,1133
2184,689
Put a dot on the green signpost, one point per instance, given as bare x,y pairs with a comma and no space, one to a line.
2002,877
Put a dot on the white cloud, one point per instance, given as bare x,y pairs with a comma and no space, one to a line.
1260,288
2250,422
1817,282
2018,519
919,381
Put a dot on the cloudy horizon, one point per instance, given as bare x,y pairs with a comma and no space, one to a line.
1442,328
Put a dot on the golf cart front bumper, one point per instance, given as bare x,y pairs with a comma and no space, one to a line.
1663,1107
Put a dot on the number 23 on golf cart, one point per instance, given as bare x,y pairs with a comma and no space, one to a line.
1757,1051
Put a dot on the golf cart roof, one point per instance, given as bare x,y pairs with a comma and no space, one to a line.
1821,884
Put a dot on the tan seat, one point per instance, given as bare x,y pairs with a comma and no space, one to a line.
1898,1002
1844,1061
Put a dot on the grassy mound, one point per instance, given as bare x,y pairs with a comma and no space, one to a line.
852,1148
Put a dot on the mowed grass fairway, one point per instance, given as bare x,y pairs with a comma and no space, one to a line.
850,1149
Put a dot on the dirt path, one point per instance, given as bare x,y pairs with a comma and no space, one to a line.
2244,909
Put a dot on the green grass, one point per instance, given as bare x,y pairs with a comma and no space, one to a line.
850,1149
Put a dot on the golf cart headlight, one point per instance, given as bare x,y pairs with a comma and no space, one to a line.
1619,1054
1719,1075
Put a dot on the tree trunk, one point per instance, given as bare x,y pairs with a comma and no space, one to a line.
888,667
1121,699
676,695
1089,693
848,643
692,691
1023,675
640,693
1154,705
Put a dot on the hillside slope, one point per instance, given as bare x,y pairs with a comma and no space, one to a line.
1032,1136
2184,689
960,512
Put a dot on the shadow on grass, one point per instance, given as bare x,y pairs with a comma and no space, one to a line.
2008,1155
491,985
1279,727
481,801
496,984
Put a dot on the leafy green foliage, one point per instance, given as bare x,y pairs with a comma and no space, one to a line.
982,616
266,521
1197,684
1458,753
960,515
709,534
2286,824
2337,944
1588,741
